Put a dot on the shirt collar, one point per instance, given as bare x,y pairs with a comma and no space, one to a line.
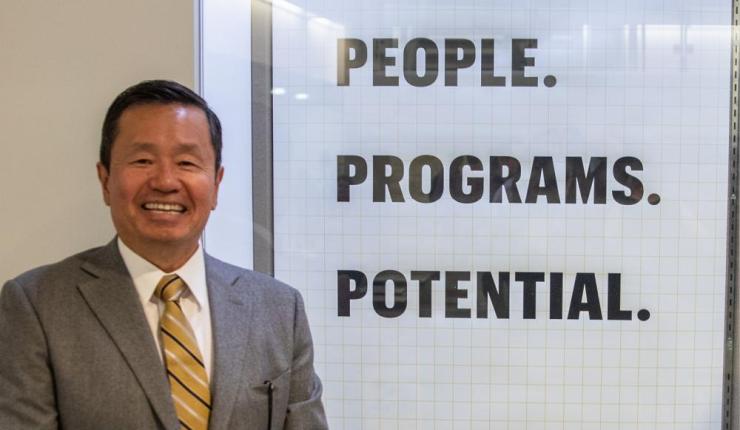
146,275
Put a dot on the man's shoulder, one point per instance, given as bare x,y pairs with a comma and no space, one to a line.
59,276
249,280
59,269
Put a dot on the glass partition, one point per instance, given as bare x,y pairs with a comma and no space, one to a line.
503,214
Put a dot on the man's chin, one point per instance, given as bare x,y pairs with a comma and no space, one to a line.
172,242
175,242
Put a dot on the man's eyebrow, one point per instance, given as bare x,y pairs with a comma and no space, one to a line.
188,147
181,148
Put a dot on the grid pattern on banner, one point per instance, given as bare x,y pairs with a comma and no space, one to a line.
648,80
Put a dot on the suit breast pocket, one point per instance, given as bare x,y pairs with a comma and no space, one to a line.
266,402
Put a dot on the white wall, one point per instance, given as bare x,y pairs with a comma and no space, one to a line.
62,64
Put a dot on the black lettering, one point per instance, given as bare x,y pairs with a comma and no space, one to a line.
499,297
453,63
540,166
585,282
556,296
487,78
345,178
614,300
399,294
519,62
508,182
437,183
425,279
345,293
453,294
344,63
391,181
381,61
529,281
629,181
431,62
456,179
575,176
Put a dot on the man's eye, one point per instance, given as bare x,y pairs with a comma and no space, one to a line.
186,163
142,161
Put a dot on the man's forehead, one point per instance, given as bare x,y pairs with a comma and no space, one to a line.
144,122
172,127
162,111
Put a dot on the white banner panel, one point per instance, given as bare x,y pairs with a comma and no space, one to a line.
507,215
226,84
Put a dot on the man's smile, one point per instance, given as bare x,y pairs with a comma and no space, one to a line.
164,207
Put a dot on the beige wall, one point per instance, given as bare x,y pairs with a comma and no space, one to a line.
61,64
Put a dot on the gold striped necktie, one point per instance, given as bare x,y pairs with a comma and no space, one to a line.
185,369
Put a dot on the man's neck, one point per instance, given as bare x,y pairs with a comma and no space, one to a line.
165,258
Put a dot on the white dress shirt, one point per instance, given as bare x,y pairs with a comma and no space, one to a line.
194,301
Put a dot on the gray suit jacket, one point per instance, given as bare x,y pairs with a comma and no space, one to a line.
76,351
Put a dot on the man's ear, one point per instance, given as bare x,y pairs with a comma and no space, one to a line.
103,176
219,177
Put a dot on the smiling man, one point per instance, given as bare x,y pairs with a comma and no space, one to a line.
148,331
161,179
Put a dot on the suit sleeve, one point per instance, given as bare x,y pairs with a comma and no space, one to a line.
27,398
305,410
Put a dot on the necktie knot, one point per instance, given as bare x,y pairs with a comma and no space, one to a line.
169,288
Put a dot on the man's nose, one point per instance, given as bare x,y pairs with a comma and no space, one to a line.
164,178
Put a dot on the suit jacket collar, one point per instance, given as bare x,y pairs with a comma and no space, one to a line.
111,295
230,324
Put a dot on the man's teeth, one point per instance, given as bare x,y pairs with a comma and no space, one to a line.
165,207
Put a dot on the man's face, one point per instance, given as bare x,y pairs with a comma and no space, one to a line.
162,183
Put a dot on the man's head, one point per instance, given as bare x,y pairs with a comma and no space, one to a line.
156,92
160,169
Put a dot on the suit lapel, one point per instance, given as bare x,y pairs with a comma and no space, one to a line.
230,322
111,295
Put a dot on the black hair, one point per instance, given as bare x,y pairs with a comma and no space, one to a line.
155,92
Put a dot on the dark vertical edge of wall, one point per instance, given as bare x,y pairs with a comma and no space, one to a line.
730,419
198,47
262,198
198,64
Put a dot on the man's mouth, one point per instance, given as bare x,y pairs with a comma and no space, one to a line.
164,207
